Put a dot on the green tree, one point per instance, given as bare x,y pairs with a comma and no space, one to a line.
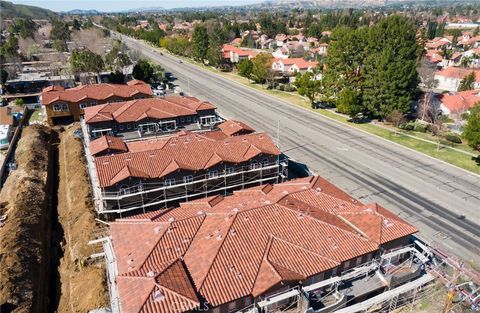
307,85
60,31
348,102
431,29
143,71
245,68
472,129
467,83
76,24
86,61
345,60
390,70
440,31
199,43
262,65
214,52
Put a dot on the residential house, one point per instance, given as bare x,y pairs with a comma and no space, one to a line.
157,172
434,56
234,54
150,116
281,39
438,43
455,60
322,49
449,78
454,105
223,254
65,105
291,49
291,66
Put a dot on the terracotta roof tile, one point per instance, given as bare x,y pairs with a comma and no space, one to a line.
246,243
137,110
95,92
191,151
232,127
107,143
460,102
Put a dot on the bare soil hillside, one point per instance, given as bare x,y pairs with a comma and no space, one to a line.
25,236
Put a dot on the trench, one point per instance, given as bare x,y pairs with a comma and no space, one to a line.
57,239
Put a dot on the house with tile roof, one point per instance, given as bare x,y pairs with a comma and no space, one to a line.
149,116
140,175
291,66
449,78
235,54
455,104
65,105
222,254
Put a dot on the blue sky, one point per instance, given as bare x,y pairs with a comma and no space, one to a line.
120,5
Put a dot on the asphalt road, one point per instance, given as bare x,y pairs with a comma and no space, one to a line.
426,192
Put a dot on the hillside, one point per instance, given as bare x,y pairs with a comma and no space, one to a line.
11,10
331,4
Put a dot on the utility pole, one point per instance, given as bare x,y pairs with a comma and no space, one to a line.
278,134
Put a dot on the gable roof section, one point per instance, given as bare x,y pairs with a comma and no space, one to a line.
191,151
246,243
95,92
460,102
233,127
107,143
136,110
458,73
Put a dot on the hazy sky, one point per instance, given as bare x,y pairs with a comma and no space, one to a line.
120,5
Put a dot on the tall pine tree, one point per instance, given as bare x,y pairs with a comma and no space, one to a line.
391,77
199,43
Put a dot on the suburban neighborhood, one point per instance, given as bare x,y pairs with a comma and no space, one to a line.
254,157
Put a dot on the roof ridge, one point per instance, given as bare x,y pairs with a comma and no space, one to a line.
218,250
305,249
165,232
265,253
322,222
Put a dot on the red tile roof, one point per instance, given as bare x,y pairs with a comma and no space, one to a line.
239,51
246,243
137,110
460,102
156,158
458,73
299,62
232,127
95,92
6,117
107,143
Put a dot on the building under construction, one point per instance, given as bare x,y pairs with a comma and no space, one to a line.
140,175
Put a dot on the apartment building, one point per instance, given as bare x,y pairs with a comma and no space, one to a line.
67,105
235,253
150,116
141,175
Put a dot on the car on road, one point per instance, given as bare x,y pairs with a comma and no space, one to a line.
180,61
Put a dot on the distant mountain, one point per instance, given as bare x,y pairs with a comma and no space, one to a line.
82,12
146,9
11,10
333,4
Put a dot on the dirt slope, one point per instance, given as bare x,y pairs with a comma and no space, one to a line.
82,285
25,237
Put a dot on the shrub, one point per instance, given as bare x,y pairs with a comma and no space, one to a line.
407,126
422,128
453,138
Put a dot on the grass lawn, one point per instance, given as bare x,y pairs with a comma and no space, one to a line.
445,154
